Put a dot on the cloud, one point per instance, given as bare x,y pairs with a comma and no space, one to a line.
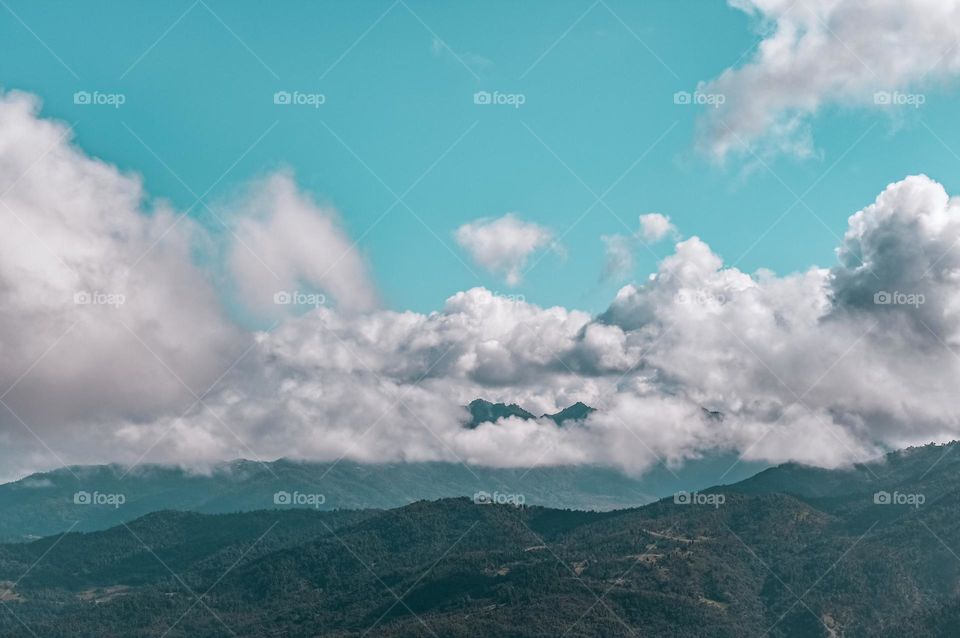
619,249
503,245
825,366
103,314
107,320
816,352
804,367
284,242
655,227
823,52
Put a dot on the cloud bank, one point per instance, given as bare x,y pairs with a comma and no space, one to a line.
818,53
825,366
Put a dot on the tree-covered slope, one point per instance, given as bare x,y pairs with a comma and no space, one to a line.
732,561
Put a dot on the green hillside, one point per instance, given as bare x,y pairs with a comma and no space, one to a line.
750,559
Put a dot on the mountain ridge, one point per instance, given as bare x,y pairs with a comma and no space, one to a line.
43,503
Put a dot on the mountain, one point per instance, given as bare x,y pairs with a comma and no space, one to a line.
926,462
482,411
576,412
829,559
43,504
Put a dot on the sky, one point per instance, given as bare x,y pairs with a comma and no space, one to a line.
398,79
288,224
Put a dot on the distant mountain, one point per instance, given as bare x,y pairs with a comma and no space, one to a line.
483,411
737,560
888,472
576,412
43,504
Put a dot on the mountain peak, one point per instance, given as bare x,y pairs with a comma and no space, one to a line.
482,411
576,412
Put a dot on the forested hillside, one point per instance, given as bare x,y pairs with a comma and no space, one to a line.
836,558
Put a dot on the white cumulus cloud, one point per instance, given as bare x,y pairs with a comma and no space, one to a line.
285,243
815,53
655,227
807,367
503,245
103,314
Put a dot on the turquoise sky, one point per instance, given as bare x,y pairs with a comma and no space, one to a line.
598,82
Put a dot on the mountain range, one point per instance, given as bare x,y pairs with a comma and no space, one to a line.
791,551
45,503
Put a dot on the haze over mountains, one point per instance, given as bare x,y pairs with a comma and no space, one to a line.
792,551
43,504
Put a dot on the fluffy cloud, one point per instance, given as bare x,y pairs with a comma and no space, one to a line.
284,243
861,354
503,245
103,315
820,52
824,366
106,320
804,367
655,227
